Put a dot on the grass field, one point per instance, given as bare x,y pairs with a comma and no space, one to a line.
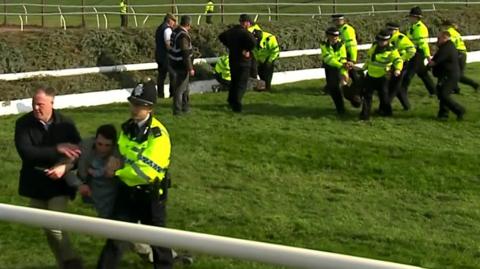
114,21
289,171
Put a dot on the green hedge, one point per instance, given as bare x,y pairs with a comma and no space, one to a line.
58,49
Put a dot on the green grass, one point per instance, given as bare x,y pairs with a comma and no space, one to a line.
289,171
114,21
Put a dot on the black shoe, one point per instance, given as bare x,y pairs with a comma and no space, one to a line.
75,263
460,116
183,259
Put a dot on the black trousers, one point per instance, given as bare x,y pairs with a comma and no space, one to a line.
372,85
417,66
395,89
462,61
209,17
163,69
445,86
181,91
265,72
238,85
132,205
225,84
123,20
332,76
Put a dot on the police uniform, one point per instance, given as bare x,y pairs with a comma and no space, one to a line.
142,195
209,8
418,33
334,56
457,40
265,53
222,72
238,40
379,64
123,14
407,51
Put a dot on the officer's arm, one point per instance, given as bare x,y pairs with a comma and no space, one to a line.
351,43
409,48
423,41
156,157
329,58
397,60
273,48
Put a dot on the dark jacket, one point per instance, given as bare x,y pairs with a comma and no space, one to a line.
37,149
180,55
446,61
238,39
161,52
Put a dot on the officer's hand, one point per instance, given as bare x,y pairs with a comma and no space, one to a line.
84,190
70,150
396,73
191,72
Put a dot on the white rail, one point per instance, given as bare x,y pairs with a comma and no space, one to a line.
198,242
151,66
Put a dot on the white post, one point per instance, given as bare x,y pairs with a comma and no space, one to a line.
256,18
21,23
204,243
269,14
199,19
26,13
145,20
134,16
106,20
98,18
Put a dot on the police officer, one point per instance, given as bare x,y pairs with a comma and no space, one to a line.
266,52
222,73
180,58
407,51
347,35
382,60
240,43
144,145
162,40
209,9
418,33
446,69
123,14
334,57
456,38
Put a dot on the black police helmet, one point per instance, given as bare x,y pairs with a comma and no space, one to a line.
415,12
144,94
338,17
393,26
332,31
383,35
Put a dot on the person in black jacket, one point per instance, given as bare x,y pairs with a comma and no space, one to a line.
46,141
162,41
180,58
240,43
446,69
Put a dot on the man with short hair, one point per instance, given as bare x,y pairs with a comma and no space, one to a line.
45,140
240,43
144,145
162,40
446,69
180,58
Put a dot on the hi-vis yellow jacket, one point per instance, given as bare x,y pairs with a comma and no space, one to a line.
146,160
349,38
457,40
380,61
418,33
404,45
222,67
209,8
334,55
267,49
123,7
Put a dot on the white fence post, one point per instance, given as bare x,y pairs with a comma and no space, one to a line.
26,13
98,18
134,16
21,22
106,20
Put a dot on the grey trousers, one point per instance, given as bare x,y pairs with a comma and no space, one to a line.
181,92
58,241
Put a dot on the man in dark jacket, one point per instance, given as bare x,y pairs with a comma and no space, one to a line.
45,141
446,69
240,43
162,41
180,57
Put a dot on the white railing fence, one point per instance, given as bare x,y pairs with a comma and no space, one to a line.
265,10
197,242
